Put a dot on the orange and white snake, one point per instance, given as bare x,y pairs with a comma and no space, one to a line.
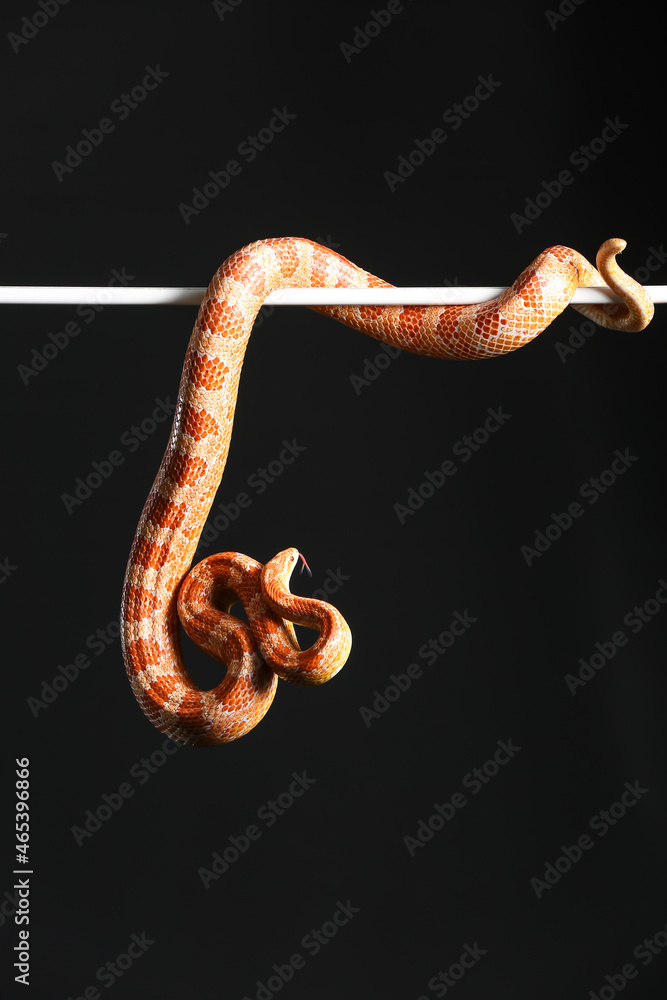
158,587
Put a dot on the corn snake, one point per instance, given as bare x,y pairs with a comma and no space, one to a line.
159,585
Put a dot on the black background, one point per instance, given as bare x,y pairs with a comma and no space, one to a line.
323,177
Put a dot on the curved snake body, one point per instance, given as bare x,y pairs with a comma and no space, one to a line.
158,587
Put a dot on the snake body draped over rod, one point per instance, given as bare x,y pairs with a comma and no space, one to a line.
158,588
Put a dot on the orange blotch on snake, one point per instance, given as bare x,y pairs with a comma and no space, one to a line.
211,373
205,371
143,601
150,555
199,424
167,513
142,653
162,687
186,470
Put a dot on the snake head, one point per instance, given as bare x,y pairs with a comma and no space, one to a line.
281,567
283,564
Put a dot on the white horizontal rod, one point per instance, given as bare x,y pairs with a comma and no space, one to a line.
451,295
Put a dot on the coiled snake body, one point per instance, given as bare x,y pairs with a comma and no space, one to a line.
158,588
